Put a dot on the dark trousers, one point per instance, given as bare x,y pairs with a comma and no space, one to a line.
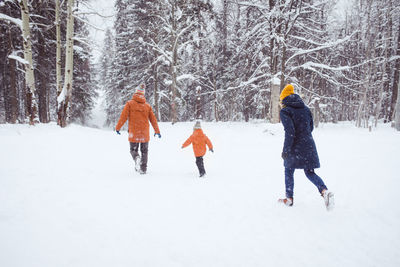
311,175
200,165
144,148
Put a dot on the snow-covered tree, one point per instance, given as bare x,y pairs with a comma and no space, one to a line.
10,52
32,106
397,109
65,95
106,79
84,90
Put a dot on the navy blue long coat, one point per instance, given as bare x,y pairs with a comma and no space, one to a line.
299,146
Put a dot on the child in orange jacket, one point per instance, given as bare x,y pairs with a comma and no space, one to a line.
199,141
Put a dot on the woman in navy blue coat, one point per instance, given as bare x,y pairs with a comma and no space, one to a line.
299,150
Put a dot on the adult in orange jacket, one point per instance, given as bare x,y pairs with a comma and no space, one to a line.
139,113
199,141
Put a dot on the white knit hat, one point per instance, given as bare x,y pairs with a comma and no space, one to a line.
197,125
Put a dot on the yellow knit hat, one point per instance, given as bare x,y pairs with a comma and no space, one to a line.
287,91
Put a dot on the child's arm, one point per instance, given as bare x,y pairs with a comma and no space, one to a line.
209,144
187,142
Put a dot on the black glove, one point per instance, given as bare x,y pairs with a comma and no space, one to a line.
284,155
212,150
118,132
157,134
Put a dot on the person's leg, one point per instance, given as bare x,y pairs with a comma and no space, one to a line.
289,182
315,179
319,183
144,148
134,148
200,165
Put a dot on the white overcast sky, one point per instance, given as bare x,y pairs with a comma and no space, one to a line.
105,8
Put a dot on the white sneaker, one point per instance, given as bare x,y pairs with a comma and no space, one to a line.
287,201
329,200
137,163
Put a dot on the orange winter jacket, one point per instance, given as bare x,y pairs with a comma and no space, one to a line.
199,141
139,112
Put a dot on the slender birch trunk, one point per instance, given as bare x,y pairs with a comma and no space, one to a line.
396,79
381,92
32,106
397,109
156,96
13,99
362,116
216,102
274,109
65,95
58,51
173,64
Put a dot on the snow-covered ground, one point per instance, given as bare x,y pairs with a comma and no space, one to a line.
70,197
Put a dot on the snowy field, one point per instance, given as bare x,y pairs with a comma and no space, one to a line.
70,197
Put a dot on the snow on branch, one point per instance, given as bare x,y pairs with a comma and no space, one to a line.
89,24
321,47
11,19
185,76
96,13
84,41
19,59
249,4
309,65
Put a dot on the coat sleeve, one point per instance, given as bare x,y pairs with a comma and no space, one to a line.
289,130
123,117
187,142
153,121
209,144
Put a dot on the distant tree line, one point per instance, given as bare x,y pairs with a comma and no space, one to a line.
219,60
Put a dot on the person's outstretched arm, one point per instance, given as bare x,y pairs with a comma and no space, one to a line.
122,118
209,144
187,142
153,121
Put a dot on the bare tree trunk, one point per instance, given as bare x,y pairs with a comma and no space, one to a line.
317,112
396,80
198,103
283,66
381,92
13,99
65,95
216,112
397,110
362,116
155,77
174,45
29,74
58,51
43,89
173,93
275,89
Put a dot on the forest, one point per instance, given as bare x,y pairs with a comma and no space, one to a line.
200,59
